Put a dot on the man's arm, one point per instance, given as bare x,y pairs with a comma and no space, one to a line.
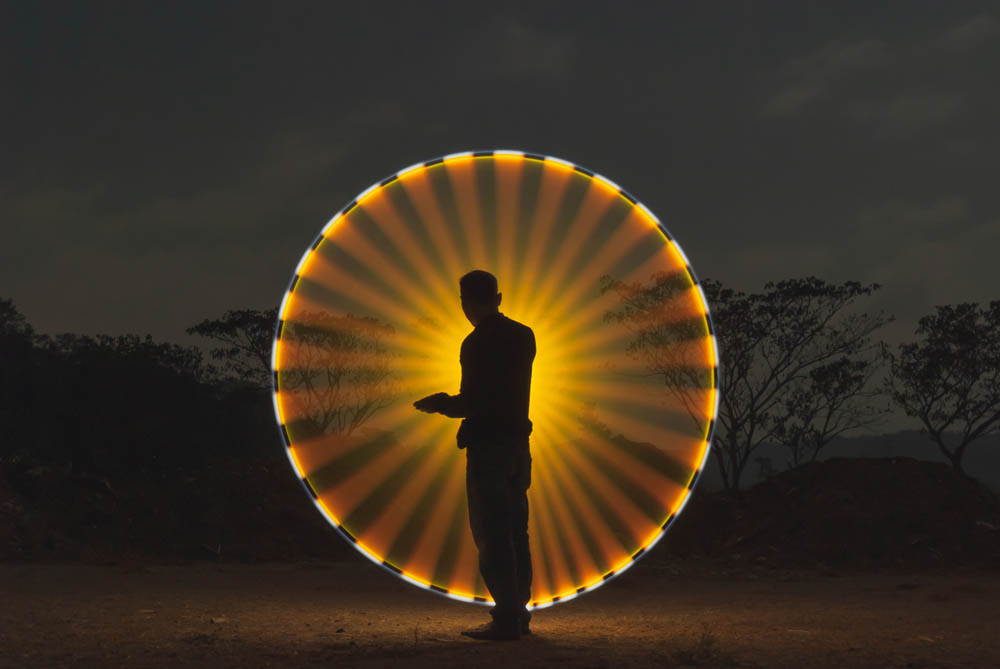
458,406
452,406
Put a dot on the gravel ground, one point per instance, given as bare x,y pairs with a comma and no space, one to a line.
352,613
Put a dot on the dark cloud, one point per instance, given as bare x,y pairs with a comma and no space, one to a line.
907,113
167,161
815,76
970,34
509,49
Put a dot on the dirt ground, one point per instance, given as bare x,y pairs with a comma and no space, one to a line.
349,614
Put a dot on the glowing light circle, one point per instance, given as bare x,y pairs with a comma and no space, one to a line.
624,394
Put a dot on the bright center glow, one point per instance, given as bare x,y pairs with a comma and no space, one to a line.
623,395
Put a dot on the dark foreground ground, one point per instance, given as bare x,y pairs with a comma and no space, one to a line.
346,614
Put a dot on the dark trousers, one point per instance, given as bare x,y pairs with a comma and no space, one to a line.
497,477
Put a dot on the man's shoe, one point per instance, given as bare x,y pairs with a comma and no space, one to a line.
493,632
525,619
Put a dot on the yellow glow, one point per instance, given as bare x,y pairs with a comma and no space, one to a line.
374,191
406,278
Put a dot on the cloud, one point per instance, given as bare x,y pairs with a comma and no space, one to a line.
894,220
837,59
808,78
969,34
791,100
513,50
924,253
292,165
100,257
779,259
907,113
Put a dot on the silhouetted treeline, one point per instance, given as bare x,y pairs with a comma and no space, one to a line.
119,444
801,364
122,444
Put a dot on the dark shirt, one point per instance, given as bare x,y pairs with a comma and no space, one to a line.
496,360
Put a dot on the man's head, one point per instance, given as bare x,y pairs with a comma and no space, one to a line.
480,296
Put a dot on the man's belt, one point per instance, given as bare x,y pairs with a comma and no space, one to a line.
476,428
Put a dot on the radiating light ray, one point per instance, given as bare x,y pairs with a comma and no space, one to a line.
694,351
552,561
466,563
428,548
603,548
395,234
372,322
421,194
461,173
587,320
587,498
407,279
399,221
632,516
508,172
337,281
625,239
641,476
571,549
300,404
582,550
643,397
622,422
594,207
541,561
402,341
359,480
555,181
574,312
388,522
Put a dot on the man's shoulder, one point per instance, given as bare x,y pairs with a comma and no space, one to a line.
520,330
514,324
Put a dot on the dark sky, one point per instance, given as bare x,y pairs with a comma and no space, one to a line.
163,162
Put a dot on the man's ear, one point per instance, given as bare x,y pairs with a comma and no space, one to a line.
499,297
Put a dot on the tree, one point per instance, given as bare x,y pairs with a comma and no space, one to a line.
124,403
950,378
658,337
246,336
771,343
831,399
337,371
12,322
19,392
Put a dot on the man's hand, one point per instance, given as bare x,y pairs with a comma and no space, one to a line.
431,403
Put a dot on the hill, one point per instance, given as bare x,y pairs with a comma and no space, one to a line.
849,512
982,461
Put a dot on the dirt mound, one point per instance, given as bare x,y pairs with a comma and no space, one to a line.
859,512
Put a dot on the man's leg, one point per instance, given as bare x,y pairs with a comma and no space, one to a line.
519,525
487,476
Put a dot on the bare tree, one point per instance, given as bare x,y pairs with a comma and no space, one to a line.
337,370
657,334
832,399
950,378
770,343
245,336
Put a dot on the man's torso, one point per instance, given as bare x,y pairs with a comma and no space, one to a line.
496,361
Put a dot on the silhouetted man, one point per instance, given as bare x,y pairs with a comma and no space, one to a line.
496,360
